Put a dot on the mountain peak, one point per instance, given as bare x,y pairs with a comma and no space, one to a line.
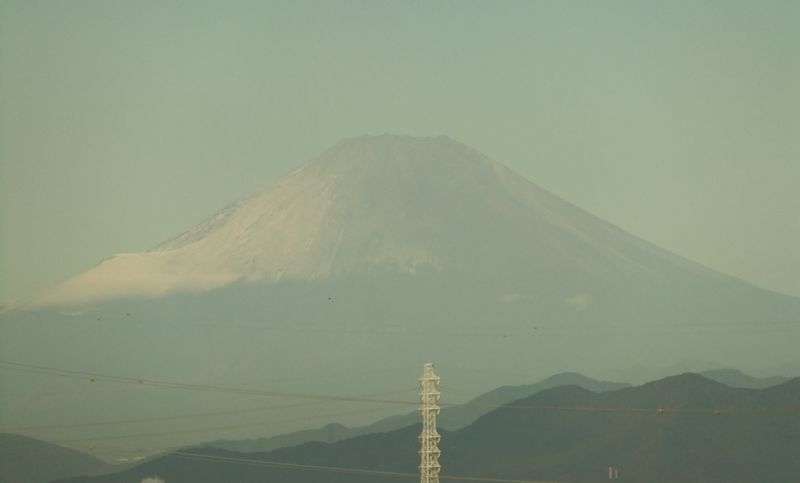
682,390
394,142
686,380
403,206
371,204
403,158
399,138
391,139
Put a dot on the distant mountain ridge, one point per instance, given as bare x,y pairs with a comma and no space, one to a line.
383,252
451,418
736,378
683,428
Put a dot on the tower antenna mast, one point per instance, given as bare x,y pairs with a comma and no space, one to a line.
429,439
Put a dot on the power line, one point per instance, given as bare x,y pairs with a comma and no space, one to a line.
538,328
147,420
176,417
321,399
94,377
661,409
613,410
340,469
214,428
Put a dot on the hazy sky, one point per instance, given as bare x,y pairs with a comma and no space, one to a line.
124,122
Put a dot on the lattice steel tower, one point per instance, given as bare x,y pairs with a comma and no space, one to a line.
429,439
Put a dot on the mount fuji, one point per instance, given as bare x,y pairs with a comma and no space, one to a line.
405,206
382,253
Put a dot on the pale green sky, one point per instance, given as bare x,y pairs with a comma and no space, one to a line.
124,122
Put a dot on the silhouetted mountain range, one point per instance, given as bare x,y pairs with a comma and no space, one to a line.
383,252
736,378
683,428
451,418
28,460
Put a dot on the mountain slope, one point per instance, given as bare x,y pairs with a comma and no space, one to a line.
398,205
27,460
754,438
450,418
346,275
736,378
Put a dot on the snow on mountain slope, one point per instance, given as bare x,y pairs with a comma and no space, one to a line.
381,203
381,253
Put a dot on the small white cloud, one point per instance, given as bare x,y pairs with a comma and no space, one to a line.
580,302
152,480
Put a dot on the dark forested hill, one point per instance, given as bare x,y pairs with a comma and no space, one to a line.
451,418
736,378
684,428
28,460
382,252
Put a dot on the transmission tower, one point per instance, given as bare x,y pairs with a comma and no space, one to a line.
429,439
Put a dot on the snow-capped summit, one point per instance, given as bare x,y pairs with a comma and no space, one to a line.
381,253
390,204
